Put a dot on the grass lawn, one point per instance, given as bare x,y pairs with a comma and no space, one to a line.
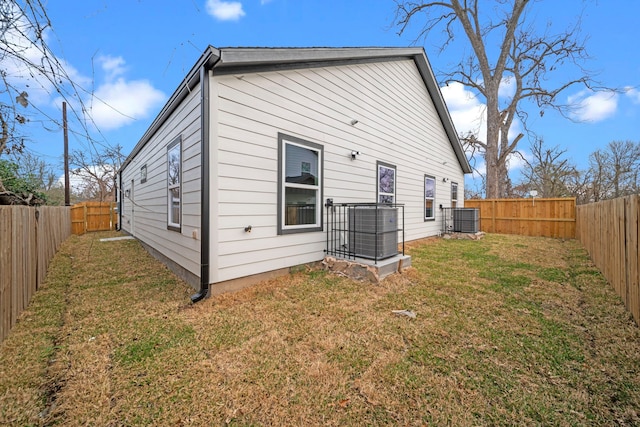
509,331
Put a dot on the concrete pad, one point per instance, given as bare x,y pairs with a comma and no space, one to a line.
114,239
367,269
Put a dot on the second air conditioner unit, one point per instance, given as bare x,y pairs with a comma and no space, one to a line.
466,220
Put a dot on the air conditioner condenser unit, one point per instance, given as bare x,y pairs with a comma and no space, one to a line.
373,232
466,220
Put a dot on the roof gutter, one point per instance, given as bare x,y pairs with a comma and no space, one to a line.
433,88
197,75
239,60
118,186
209,58
205,194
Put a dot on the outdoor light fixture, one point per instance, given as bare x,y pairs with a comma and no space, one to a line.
445,179
354,154
353,122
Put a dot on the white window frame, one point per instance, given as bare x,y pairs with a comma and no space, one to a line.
175,146
143,174
283,142
380,194
433,199
454,195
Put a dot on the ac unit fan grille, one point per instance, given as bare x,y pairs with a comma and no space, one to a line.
466,220
373,232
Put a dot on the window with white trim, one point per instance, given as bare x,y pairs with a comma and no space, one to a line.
429,198
386,177
174,177
299,185
454,194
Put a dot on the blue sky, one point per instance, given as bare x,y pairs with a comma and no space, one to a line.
132,54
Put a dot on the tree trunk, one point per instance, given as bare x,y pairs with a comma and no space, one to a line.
492,151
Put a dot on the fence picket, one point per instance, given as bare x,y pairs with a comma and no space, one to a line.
93,216
527,217
6,260
610,232
29,238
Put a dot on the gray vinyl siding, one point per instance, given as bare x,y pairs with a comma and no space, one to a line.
149,222
397,124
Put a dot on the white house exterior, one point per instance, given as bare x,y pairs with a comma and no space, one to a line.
252,130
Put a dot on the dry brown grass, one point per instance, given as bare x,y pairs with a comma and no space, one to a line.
509,330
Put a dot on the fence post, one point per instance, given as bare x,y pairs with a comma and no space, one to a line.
493,216
85,219
111,209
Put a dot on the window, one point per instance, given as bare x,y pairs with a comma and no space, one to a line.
143,174
299,185
454,194
174,171
429,197
386,183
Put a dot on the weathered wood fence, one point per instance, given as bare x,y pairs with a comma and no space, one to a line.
527,217
29,238
93,216
610,232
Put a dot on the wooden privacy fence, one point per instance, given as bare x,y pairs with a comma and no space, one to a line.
93,216
610,232
29,238
527,217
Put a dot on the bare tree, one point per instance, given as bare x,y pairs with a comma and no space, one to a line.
581,188
598,177
549,172
32,168
614,171
524,58
28,64
95,174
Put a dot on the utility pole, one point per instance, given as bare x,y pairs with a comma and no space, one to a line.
67,198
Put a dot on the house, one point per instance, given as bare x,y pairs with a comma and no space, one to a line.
251,132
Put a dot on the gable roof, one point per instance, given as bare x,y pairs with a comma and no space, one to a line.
245,60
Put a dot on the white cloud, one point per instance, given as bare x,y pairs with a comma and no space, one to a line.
518,161
116,101
633,93
80,180
468,114
112,66
225,10
507,88
119,102
479,168
591,106
24,59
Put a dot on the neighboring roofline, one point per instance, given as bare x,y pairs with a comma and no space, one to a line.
228,60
